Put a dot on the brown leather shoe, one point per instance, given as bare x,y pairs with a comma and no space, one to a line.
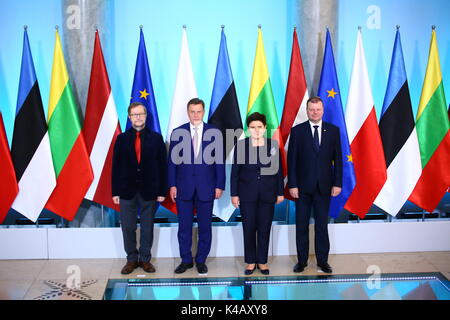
147,266
129,267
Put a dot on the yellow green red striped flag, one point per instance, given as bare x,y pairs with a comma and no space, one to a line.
433,131
70,157
261,97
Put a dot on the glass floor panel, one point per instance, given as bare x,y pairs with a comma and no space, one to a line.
411,286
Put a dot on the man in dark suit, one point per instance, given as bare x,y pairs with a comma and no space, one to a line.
196,176
314,174
139,179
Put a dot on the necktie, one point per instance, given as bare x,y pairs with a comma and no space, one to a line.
137,146
316,138
195,141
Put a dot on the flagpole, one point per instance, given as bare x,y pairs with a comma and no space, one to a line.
103,216
287,210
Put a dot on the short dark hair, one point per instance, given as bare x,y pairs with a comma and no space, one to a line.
196,101
256,116
314,99
134,105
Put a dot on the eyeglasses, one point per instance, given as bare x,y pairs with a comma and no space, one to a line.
136,115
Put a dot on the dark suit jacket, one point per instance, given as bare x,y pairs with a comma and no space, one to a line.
189,176
306,167
248,179
150,176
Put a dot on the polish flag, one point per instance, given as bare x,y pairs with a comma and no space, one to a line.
364,136
185,90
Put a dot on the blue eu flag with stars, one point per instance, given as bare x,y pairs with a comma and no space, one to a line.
143,88
330,94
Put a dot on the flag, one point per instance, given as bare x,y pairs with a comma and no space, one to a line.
224,114
294,110
364,136
398,133
261,97
70,157
330,94
30,148
101,128
142,90
432,125
8,185
448,190
185,90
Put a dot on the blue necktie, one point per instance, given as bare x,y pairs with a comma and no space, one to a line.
316,139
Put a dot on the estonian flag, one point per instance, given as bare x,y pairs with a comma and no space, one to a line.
400,143
30,149
224,114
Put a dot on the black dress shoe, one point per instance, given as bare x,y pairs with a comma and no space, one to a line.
250,271
264,271
202,268
325,267
183,267
299,267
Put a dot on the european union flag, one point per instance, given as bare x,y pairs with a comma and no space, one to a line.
143,89
329,92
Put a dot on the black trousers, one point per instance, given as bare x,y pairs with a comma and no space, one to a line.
321,204
256,223
128,223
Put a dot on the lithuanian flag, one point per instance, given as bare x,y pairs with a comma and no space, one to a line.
261,97
432,125
70,157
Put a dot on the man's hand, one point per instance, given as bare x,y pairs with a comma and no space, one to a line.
173,193
116,199
235,201
294,192
280,199
160,199
218,193
335,191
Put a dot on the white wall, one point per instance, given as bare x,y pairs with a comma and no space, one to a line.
76,243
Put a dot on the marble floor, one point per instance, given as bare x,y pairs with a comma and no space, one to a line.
53,279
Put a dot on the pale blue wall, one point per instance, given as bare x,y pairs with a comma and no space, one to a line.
41,17
163,21
415,18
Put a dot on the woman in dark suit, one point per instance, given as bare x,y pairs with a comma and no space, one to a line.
256,186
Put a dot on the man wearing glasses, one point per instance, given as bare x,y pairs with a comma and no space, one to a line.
139,179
